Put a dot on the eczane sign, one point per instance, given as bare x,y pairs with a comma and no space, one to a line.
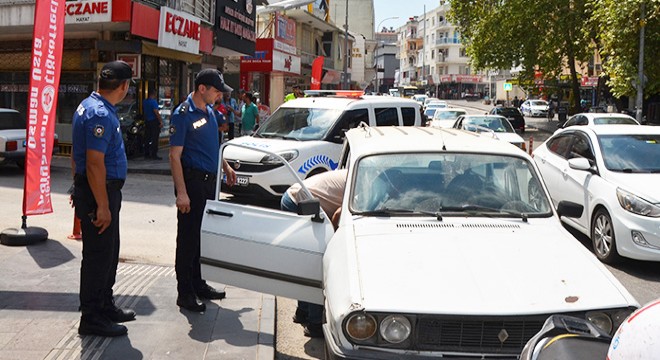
87,12
178,31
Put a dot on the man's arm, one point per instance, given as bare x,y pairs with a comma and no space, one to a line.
96,177
160,118
182,199
231,175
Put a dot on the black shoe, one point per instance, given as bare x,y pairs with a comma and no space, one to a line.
119,315
300,317
313,330
209,293
100,325
189,302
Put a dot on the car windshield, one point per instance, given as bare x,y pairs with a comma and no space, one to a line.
615,120
539,103
631,153
447,115
458,184
509,112
429,112
299,123
11,120
496,124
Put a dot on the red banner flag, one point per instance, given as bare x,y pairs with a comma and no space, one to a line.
317,71
45,68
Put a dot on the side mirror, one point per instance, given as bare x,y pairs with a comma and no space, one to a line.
581,164
569,209
310,207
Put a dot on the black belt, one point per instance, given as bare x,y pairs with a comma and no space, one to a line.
198,174
110,184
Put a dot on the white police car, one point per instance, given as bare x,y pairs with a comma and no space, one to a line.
308,133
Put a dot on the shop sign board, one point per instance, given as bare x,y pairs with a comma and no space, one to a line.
235,25
589,81
278,45
178,31
261,60
285,30
134,61
88,11
286,62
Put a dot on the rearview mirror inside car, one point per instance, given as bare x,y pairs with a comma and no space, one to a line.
569,209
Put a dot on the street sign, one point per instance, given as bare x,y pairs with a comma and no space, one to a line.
508,87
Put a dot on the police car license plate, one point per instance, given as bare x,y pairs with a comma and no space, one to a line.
240,180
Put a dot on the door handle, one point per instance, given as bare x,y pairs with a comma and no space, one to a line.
221,213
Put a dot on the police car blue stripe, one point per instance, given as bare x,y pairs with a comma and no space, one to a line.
316,160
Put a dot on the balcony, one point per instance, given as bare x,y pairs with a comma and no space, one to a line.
443,41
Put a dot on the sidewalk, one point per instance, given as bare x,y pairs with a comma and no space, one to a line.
39,313
540,124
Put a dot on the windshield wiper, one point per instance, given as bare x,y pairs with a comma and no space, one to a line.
387,212
484,211
286,137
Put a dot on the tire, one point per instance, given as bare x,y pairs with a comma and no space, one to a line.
603,238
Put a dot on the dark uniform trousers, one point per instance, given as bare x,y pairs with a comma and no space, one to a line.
100,251
152,133
200,187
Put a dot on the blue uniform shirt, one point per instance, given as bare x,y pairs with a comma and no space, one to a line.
148,107
96,127
231,104
197,132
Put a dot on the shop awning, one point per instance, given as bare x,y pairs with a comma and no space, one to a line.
149,48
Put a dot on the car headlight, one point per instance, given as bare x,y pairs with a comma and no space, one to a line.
360,326
395,329
636,205
288,155
601,320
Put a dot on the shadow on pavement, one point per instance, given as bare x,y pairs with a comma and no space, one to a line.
119,348
49,254
203,326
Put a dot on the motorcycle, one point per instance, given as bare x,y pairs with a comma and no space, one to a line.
134,137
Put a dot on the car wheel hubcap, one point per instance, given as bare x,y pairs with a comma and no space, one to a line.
603,235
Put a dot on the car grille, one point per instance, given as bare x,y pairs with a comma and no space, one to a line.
494,335
251,167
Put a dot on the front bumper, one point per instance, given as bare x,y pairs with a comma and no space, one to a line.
625,223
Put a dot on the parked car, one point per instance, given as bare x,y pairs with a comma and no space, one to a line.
429,100
308,132
446,117
12,138
613,171
599,119
495,126
420,98
512,114
447,246
535,108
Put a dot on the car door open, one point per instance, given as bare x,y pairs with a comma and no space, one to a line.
265,250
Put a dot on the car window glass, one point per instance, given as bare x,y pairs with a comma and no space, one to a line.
582,120
582,148
631,153
353,118
408,114
560,145
11,120
615,120
571,121
299,123
386,117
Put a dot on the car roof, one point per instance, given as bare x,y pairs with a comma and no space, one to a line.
453,109
615,129
8,110
605,115
397,139
343,102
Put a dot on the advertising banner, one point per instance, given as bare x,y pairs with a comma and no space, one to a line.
286,62
317,71
45,69
285,30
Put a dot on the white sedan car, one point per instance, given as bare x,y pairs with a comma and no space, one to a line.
12,138
446,117
534,108
599,119
447,246
614,172
495,126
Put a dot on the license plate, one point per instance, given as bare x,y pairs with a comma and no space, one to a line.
240,180
24,143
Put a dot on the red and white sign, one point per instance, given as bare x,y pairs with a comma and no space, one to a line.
48,37
88,11
467,79
445,78
178,31
134,60
286,62
589,81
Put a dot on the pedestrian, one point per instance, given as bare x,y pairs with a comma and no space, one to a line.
551,109
194,156
100,167
240,102
153,123
328,188
297,93
232,110
516,102
221,116
249,115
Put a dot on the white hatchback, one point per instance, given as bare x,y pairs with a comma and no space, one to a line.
447,246
614,172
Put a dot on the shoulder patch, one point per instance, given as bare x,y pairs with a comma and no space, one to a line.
172,130
99,130
183,108
101,110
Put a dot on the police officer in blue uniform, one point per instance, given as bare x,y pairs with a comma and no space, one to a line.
194,147
99,164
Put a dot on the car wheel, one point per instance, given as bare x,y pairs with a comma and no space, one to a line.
602,237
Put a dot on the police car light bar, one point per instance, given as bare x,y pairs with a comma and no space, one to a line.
335,93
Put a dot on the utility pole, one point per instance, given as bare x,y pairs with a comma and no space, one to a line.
639,104
424,51
346,54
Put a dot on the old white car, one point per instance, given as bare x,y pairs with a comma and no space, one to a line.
12,138
448,246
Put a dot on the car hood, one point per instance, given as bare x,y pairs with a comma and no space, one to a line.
272,145
638,184
538,107
483,267
510,137
13,134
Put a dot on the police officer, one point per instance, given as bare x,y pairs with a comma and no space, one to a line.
297,93
100,167
194,147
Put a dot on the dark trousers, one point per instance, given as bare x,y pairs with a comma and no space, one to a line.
100,252
313,312
188,273
152,133
230,131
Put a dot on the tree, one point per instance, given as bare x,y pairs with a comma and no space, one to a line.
539,35
619,24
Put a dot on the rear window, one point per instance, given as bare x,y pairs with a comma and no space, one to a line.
408,114
615,120
509,112
387,117
11,120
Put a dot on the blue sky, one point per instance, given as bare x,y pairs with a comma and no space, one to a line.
401,8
